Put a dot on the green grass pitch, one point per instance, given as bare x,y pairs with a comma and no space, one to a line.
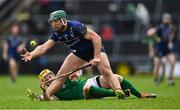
14,96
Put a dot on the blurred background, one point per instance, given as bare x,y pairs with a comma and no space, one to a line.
122,24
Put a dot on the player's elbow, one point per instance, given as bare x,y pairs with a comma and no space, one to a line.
91,35
97,38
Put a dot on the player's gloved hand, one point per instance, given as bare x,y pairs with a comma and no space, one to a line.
26,56
95,61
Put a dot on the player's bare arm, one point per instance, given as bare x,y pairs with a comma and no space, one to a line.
44,76
96,39
40,50
44,96
5,50
171,38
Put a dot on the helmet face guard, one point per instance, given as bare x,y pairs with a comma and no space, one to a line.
44,73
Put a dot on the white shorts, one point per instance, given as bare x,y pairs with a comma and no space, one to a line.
92,82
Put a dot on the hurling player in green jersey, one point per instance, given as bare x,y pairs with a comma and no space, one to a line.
75,89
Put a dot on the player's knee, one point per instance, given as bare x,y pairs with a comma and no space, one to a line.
12,62
86,89
172,61
119,77
157,61
106,74
108,77
156,68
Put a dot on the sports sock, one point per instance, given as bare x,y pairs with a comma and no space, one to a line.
125,84
100,92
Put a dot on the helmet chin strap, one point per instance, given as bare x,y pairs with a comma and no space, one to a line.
64,22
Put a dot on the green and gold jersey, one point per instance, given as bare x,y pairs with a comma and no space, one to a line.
71,90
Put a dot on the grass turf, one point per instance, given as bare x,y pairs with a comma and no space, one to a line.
14,96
